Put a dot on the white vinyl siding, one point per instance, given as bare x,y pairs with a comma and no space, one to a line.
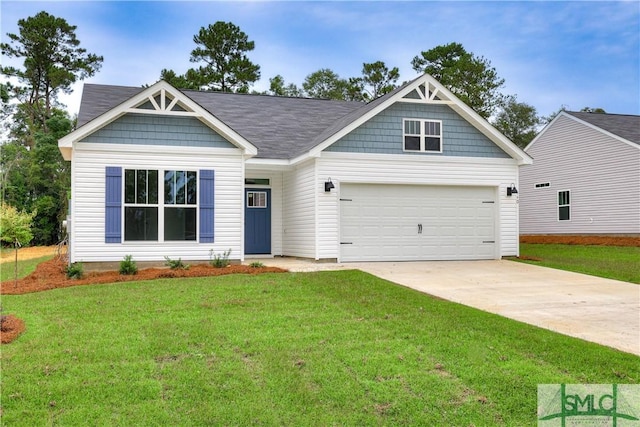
397,169
602,173
88,202
299,216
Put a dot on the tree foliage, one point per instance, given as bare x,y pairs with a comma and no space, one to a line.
15,229
325,84
378,79
52,61
38,179
222,49
518,121
470,78
278,87
596,110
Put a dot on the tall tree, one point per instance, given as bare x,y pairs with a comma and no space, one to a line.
52,61
325,84
278,87
378,79
184,81
470,78
223,48
518,121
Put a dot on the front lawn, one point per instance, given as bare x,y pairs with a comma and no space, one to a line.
612,262
325,348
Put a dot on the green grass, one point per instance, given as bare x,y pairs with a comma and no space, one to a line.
298,349
25,267
612,262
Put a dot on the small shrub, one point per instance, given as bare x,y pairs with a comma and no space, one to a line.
176,264
219,260
74,271
128,266
256,264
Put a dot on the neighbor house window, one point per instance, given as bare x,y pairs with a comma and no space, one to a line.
140,204
564,206
422,135
180,205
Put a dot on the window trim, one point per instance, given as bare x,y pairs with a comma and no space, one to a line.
248,192
567,205
161,205
422,135
137,204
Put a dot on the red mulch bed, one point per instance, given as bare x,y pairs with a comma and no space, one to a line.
10,328
51,275
582,240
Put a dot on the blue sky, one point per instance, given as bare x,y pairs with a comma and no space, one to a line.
551,54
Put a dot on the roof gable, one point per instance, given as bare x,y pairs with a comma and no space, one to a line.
160,98
620,127
422,90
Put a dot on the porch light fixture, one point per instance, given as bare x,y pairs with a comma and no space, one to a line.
328,186
512,190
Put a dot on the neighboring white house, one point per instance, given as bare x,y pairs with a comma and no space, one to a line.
413,175
585,178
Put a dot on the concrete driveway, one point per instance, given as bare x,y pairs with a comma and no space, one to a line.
591,308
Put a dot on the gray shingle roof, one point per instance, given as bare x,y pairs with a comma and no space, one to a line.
280,127
624,126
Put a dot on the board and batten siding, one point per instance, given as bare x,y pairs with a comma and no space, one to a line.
88,200
601,173
299,214
414,170
276,186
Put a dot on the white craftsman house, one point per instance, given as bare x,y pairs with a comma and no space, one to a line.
413,175
585,178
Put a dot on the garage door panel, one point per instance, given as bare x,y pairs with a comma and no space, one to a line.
402,222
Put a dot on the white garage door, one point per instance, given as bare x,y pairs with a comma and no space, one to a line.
411,222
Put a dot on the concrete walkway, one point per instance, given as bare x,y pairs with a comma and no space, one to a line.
591,308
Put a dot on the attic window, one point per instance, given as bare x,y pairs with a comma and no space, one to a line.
422,135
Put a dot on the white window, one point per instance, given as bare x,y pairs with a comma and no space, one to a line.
256,199
140,205
422,135
180,205
564,206
145,216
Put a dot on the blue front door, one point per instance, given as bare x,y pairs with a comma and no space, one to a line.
257,221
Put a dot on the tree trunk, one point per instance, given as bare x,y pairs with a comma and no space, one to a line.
15,268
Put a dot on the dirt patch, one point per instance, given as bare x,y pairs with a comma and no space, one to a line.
582,240
51,275
8,254
10,328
